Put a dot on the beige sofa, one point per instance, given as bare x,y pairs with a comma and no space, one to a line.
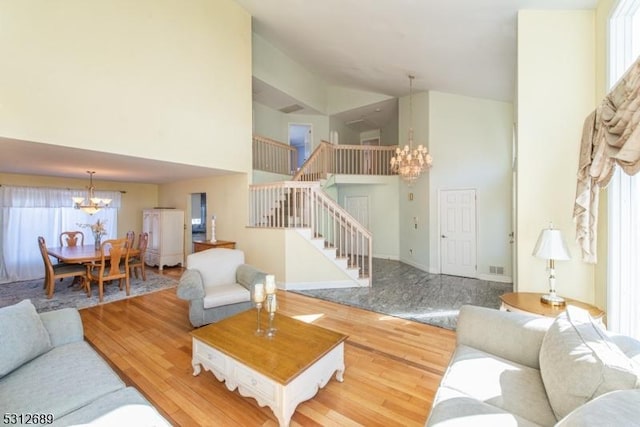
515,369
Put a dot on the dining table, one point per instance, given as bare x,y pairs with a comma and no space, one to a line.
81,254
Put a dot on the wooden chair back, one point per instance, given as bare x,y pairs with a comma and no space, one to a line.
143,241
58,271
138,262
131,237
71,238
48,265
113,264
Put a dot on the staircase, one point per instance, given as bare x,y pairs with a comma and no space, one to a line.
303,206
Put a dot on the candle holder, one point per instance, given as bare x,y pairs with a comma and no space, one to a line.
271,309
259,330
258,298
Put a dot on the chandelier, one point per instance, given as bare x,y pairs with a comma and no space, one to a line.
91,204
410,162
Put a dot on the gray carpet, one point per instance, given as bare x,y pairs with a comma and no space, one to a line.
404,291
65,296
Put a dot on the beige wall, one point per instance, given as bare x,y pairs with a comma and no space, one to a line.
556,90
414,242
136,197
471,142
382,194
227,199
163,80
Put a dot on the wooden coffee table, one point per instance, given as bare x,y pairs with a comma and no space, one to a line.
279,372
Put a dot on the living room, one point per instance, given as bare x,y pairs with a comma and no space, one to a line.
175,90
229,175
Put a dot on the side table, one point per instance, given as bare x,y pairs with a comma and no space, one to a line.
529,302
202,245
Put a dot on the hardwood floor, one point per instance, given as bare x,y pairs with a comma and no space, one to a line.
393,366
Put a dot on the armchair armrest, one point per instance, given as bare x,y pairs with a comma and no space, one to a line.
190,286
64,326
248,276
512,336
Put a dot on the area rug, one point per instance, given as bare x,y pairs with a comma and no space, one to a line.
70,296
404,291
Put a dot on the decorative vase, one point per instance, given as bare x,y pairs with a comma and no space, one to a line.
97,238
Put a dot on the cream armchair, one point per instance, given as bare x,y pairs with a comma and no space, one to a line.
217,284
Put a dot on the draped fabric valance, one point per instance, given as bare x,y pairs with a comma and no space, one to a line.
610,137
35,197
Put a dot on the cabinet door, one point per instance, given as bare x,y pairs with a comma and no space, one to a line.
151,225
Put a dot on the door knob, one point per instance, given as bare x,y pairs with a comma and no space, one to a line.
443,236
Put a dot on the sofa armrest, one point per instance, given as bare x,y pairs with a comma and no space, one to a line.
513,336
64,326
248,276
190,286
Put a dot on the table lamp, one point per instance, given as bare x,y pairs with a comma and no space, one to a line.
551,246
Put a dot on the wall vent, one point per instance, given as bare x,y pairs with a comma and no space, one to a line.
291,108
493,269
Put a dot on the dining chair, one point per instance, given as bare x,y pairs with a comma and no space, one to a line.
113,264
58,271
71,238
137,262
131,237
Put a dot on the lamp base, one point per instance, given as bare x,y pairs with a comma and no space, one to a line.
552,299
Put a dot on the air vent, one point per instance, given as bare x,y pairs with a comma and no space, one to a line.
496,270
291,108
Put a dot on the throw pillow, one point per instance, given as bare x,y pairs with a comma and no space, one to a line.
22,336
579,362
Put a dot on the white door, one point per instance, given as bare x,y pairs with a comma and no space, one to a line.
458,232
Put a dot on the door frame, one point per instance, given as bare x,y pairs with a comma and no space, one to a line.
308,147
440,222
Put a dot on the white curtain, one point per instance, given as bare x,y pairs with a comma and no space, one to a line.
29,212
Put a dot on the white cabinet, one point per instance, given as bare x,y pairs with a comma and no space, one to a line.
166,236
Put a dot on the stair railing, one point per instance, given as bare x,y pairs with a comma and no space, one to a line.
346,159
299,204
273,156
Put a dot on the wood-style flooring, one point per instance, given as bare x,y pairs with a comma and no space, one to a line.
393,366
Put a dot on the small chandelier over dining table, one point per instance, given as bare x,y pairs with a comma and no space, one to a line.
410,162
91,204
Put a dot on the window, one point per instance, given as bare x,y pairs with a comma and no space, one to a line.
28,212
623,285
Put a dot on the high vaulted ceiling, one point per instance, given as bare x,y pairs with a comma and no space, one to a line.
465,47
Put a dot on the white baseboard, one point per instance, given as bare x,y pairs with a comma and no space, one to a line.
391,257
495,278
306,286
417,265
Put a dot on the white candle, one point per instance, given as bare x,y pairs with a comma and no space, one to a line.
258,293
270,285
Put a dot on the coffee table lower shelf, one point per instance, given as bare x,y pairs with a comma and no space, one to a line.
281,398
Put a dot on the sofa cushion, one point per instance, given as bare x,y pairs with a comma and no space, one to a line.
22,336
452,408
121,408
498,382
619,408
216,266
58,382
579,362
220,295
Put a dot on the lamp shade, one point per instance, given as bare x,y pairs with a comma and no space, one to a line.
551,245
